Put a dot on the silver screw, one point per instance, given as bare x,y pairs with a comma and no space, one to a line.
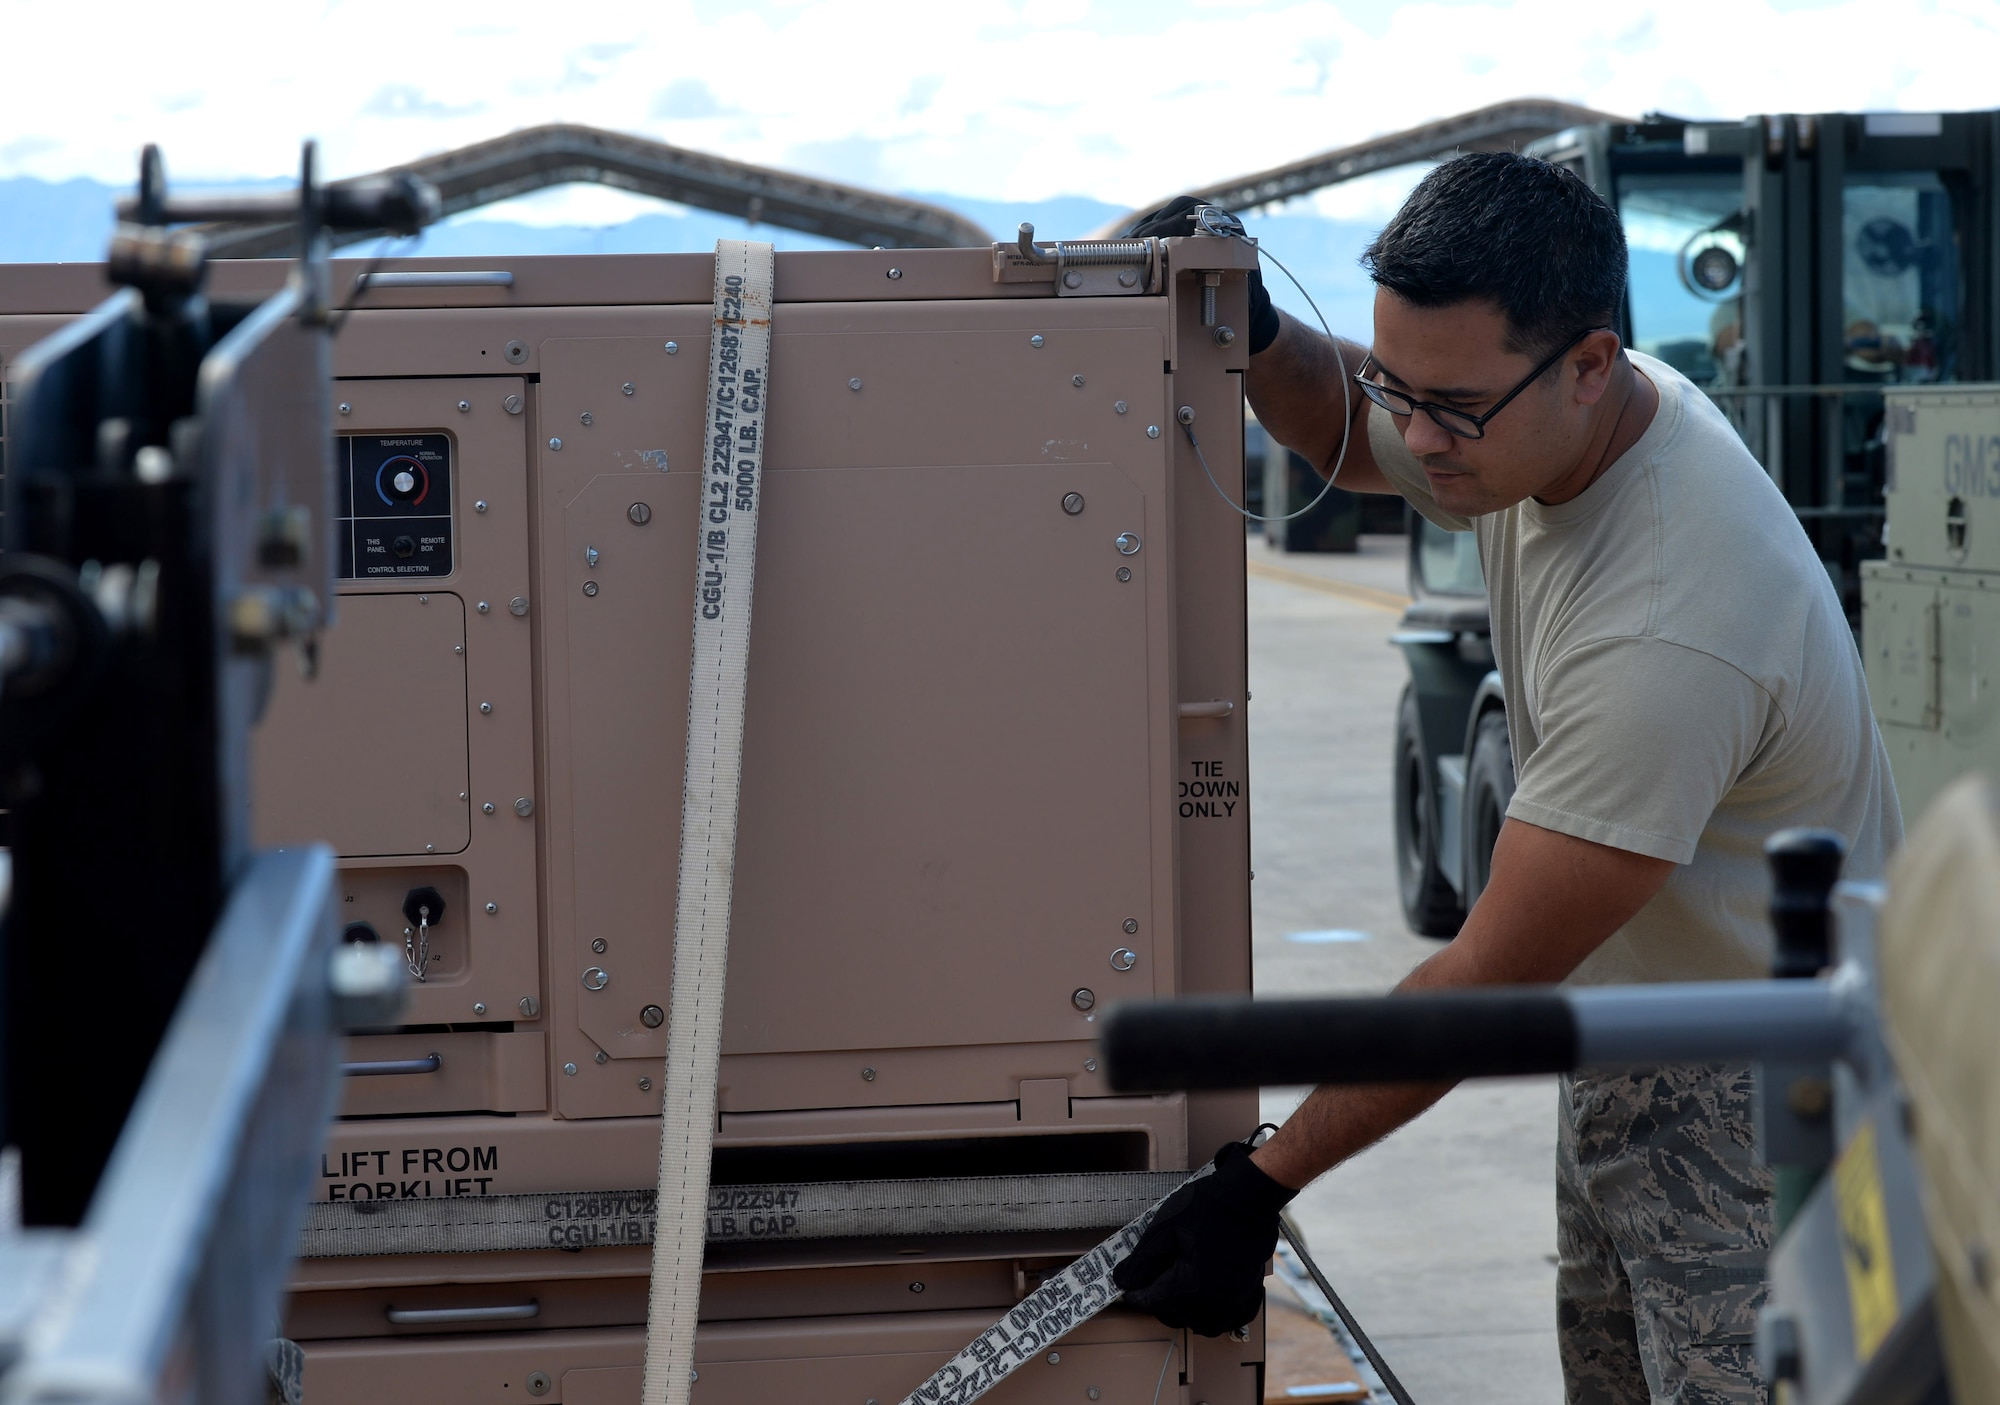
590,587
512,404
629,388
524,807
486,707
1152,432
894,274
645,1085
601,1057
464,406
1128,543
430,848
1055,1358
1076,380
916,1287
461,795
867,1075
1072,279
492,908
1124,573
1119,406
570,1069
1124,959
673,348
1185,414
638,514
1131,925
479,1007
515,352
1035,340
597,944
518,605
1128,278
1083,997
1093,1392
458,648
482,607
557,444
652,1017
487,807
479,506
423,600
530,1006
1072,503
1090,1065
585,417
854,384
1225,336
538,1383
596,978
345,408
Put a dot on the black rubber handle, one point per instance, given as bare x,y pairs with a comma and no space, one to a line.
1239,1043
1805,864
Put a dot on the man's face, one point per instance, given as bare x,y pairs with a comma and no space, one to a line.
1458,356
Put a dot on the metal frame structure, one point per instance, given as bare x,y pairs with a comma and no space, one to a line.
561,153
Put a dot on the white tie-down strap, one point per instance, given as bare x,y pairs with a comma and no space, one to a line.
739,366
1038,1321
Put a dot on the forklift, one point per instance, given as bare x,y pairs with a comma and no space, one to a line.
1792,267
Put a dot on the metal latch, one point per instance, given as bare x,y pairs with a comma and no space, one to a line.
1081,268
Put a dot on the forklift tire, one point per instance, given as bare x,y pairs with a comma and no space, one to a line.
1489,785
1429,905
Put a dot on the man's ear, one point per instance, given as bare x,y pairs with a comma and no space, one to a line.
1595,357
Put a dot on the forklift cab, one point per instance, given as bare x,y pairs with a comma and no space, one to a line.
1791,267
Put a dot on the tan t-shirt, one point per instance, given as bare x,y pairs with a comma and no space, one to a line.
1680,681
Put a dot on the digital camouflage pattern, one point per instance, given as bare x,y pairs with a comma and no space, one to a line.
1663,1218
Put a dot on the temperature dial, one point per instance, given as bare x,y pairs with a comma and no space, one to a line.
402,480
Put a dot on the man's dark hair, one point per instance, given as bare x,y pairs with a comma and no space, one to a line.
1525,235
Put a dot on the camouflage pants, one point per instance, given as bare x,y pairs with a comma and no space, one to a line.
1663,1217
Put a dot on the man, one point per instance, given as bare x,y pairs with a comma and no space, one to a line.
1680,682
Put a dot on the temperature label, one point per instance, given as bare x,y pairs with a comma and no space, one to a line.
395,502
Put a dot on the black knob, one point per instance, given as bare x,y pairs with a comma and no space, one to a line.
423,905
1805,864
405,547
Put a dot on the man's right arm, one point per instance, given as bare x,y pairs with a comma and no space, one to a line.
1296,387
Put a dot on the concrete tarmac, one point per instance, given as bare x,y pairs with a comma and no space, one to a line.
1440,1238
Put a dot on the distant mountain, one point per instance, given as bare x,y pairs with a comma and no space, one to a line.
69,221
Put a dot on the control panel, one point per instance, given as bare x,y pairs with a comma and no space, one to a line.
395,497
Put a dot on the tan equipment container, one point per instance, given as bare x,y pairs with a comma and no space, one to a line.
994,782
1930,611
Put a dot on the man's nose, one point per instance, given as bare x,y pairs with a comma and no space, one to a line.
1423,435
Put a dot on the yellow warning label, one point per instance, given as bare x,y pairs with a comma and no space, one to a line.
1864,1241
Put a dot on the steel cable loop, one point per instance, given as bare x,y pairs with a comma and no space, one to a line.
1346,413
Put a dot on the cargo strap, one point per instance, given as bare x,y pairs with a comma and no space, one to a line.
1043,1318
739,367
737,1214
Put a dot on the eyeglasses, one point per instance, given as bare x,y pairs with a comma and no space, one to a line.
1464,425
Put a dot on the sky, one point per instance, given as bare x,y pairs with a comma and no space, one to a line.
999,99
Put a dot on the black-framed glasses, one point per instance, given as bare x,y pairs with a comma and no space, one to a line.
1459,422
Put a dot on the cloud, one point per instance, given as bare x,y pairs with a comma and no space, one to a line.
687,99
1007,101
402,100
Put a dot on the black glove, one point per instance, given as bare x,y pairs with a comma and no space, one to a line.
1177,217
1200,1264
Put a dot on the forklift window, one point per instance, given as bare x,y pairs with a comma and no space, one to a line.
1447,562
1899,279
1684,298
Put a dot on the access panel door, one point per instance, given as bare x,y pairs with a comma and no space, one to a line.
957,788
411,748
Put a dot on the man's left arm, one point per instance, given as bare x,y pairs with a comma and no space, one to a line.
1551,900
1640,739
